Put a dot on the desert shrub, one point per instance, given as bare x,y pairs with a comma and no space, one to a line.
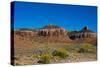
84,48
61,52
45,59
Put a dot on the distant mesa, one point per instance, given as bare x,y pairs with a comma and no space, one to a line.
58,33
52,30
85,29
84,33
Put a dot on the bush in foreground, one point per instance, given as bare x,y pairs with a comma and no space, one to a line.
61,52
84,48
45,59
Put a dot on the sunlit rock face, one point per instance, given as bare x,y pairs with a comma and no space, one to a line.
55,33
52,30
26,32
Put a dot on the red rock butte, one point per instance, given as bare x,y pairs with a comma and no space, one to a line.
56,33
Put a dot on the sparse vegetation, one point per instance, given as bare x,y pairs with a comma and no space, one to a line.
56,53
38,52
86,47
61,52
45,59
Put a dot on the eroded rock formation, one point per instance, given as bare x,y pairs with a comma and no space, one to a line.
84,33
55,33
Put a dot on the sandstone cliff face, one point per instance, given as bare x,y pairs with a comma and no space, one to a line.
84,35
52,33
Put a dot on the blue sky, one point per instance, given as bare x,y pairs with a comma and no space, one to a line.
70,17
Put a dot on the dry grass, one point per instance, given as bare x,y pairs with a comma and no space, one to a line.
28,51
